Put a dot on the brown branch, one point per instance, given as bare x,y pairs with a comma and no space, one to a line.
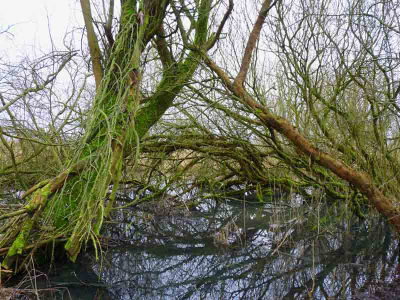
251,43
217,35
108,24
94,48
162,48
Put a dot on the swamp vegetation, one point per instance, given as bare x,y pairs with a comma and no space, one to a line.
173,100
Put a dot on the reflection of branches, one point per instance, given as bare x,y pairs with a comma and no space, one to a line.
180,259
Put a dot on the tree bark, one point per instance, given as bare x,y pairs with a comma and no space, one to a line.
95,53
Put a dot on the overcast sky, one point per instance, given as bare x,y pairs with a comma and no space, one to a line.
30,21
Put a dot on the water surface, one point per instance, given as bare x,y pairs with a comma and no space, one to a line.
232,250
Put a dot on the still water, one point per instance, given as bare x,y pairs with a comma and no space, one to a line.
233,250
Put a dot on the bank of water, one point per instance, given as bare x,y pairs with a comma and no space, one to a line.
233,250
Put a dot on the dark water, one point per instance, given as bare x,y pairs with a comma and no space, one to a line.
236,251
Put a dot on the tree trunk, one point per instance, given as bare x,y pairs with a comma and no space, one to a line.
73,202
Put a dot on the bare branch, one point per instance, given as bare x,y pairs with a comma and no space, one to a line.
251,43
50,78
162,49
93,43
108,24
217,35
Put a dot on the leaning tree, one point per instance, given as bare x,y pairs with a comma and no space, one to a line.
139,66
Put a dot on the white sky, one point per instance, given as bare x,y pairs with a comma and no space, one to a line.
31,20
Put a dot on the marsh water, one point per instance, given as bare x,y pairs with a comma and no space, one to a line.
234,250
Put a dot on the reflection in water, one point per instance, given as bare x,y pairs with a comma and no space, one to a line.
230,251
302,256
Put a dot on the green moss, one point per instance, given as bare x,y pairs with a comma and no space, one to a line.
128,11
18,245
100,218
359,205
202,24
20,241
73,248
45,191
39,196
66,204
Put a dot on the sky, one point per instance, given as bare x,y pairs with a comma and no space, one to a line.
30,21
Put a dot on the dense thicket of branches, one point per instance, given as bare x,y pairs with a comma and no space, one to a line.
282,95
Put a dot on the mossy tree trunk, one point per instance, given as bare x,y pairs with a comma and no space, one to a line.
73,204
